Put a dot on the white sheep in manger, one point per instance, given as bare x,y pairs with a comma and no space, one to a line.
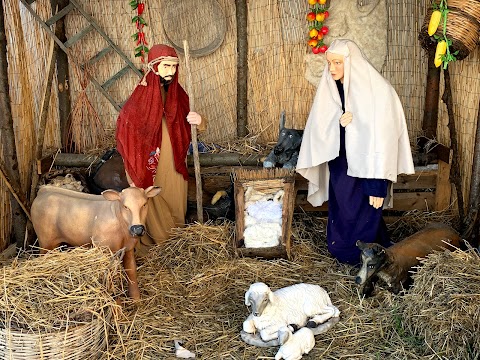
294,345
297,305
263,218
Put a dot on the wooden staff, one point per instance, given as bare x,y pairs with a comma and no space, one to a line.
14,192
196,159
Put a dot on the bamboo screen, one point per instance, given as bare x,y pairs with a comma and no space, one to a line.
213,76
277,47
27,53
465,80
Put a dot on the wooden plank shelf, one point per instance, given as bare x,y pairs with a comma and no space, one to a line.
426,190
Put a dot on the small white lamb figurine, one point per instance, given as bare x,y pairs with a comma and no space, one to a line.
294,345
299,304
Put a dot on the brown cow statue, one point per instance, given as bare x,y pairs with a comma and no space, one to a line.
394,264
113,219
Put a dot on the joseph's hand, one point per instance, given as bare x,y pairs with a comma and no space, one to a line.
194,118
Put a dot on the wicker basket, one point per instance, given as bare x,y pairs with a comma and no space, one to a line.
84,341
463,27
267,181
204,36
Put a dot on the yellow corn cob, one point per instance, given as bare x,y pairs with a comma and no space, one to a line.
441,50
434,22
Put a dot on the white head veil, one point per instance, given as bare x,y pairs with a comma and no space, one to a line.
376,140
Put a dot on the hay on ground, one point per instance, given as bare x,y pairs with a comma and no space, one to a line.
443,306
59,289
193,290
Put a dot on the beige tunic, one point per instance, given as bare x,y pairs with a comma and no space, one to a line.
167,210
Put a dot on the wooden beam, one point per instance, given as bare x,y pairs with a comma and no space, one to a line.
430,114
443,192
424,201
43,118
60,14
19,220
455,175
63,79
47,92
242,67
226,159
17,194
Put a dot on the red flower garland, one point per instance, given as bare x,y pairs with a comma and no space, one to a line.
317,15
141,49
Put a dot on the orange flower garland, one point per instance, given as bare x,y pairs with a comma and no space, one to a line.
316,16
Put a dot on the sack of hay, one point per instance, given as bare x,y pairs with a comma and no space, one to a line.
443,305
59,305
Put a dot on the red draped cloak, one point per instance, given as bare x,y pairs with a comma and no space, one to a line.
139,125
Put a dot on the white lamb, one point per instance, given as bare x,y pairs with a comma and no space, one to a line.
262,235
297,305
294,345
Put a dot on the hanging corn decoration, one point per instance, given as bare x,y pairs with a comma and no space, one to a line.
440,51
434,22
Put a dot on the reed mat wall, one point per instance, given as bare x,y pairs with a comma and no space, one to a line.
277,45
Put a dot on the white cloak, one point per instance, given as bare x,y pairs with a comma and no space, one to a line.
376,141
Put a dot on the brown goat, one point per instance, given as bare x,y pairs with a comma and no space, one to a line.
394,264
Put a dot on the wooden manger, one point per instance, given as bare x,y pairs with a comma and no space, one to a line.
267,181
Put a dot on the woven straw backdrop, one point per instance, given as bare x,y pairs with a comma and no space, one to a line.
277,33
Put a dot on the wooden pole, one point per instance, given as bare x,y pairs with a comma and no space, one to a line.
242,67
430,115
475,185
43,117
455,177
196,160
474,200
19,220
64,101
14,192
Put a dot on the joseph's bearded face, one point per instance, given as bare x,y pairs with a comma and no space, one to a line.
166,70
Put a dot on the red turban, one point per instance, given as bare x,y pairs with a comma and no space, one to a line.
139,125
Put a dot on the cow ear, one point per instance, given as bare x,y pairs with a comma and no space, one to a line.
111,195
360,244
152,191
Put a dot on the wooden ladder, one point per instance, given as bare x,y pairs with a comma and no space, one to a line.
93,26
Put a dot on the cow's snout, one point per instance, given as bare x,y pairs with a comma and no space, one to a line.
137,230
358,280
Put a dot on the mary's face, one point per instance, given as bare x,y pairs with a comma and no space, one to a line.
335,65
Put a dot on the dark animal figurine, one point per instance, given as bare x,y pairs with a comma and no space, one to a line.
285,152
222,205
109,173
394,264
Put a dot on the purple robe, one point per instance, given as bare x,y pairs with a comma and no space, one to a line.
350,216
